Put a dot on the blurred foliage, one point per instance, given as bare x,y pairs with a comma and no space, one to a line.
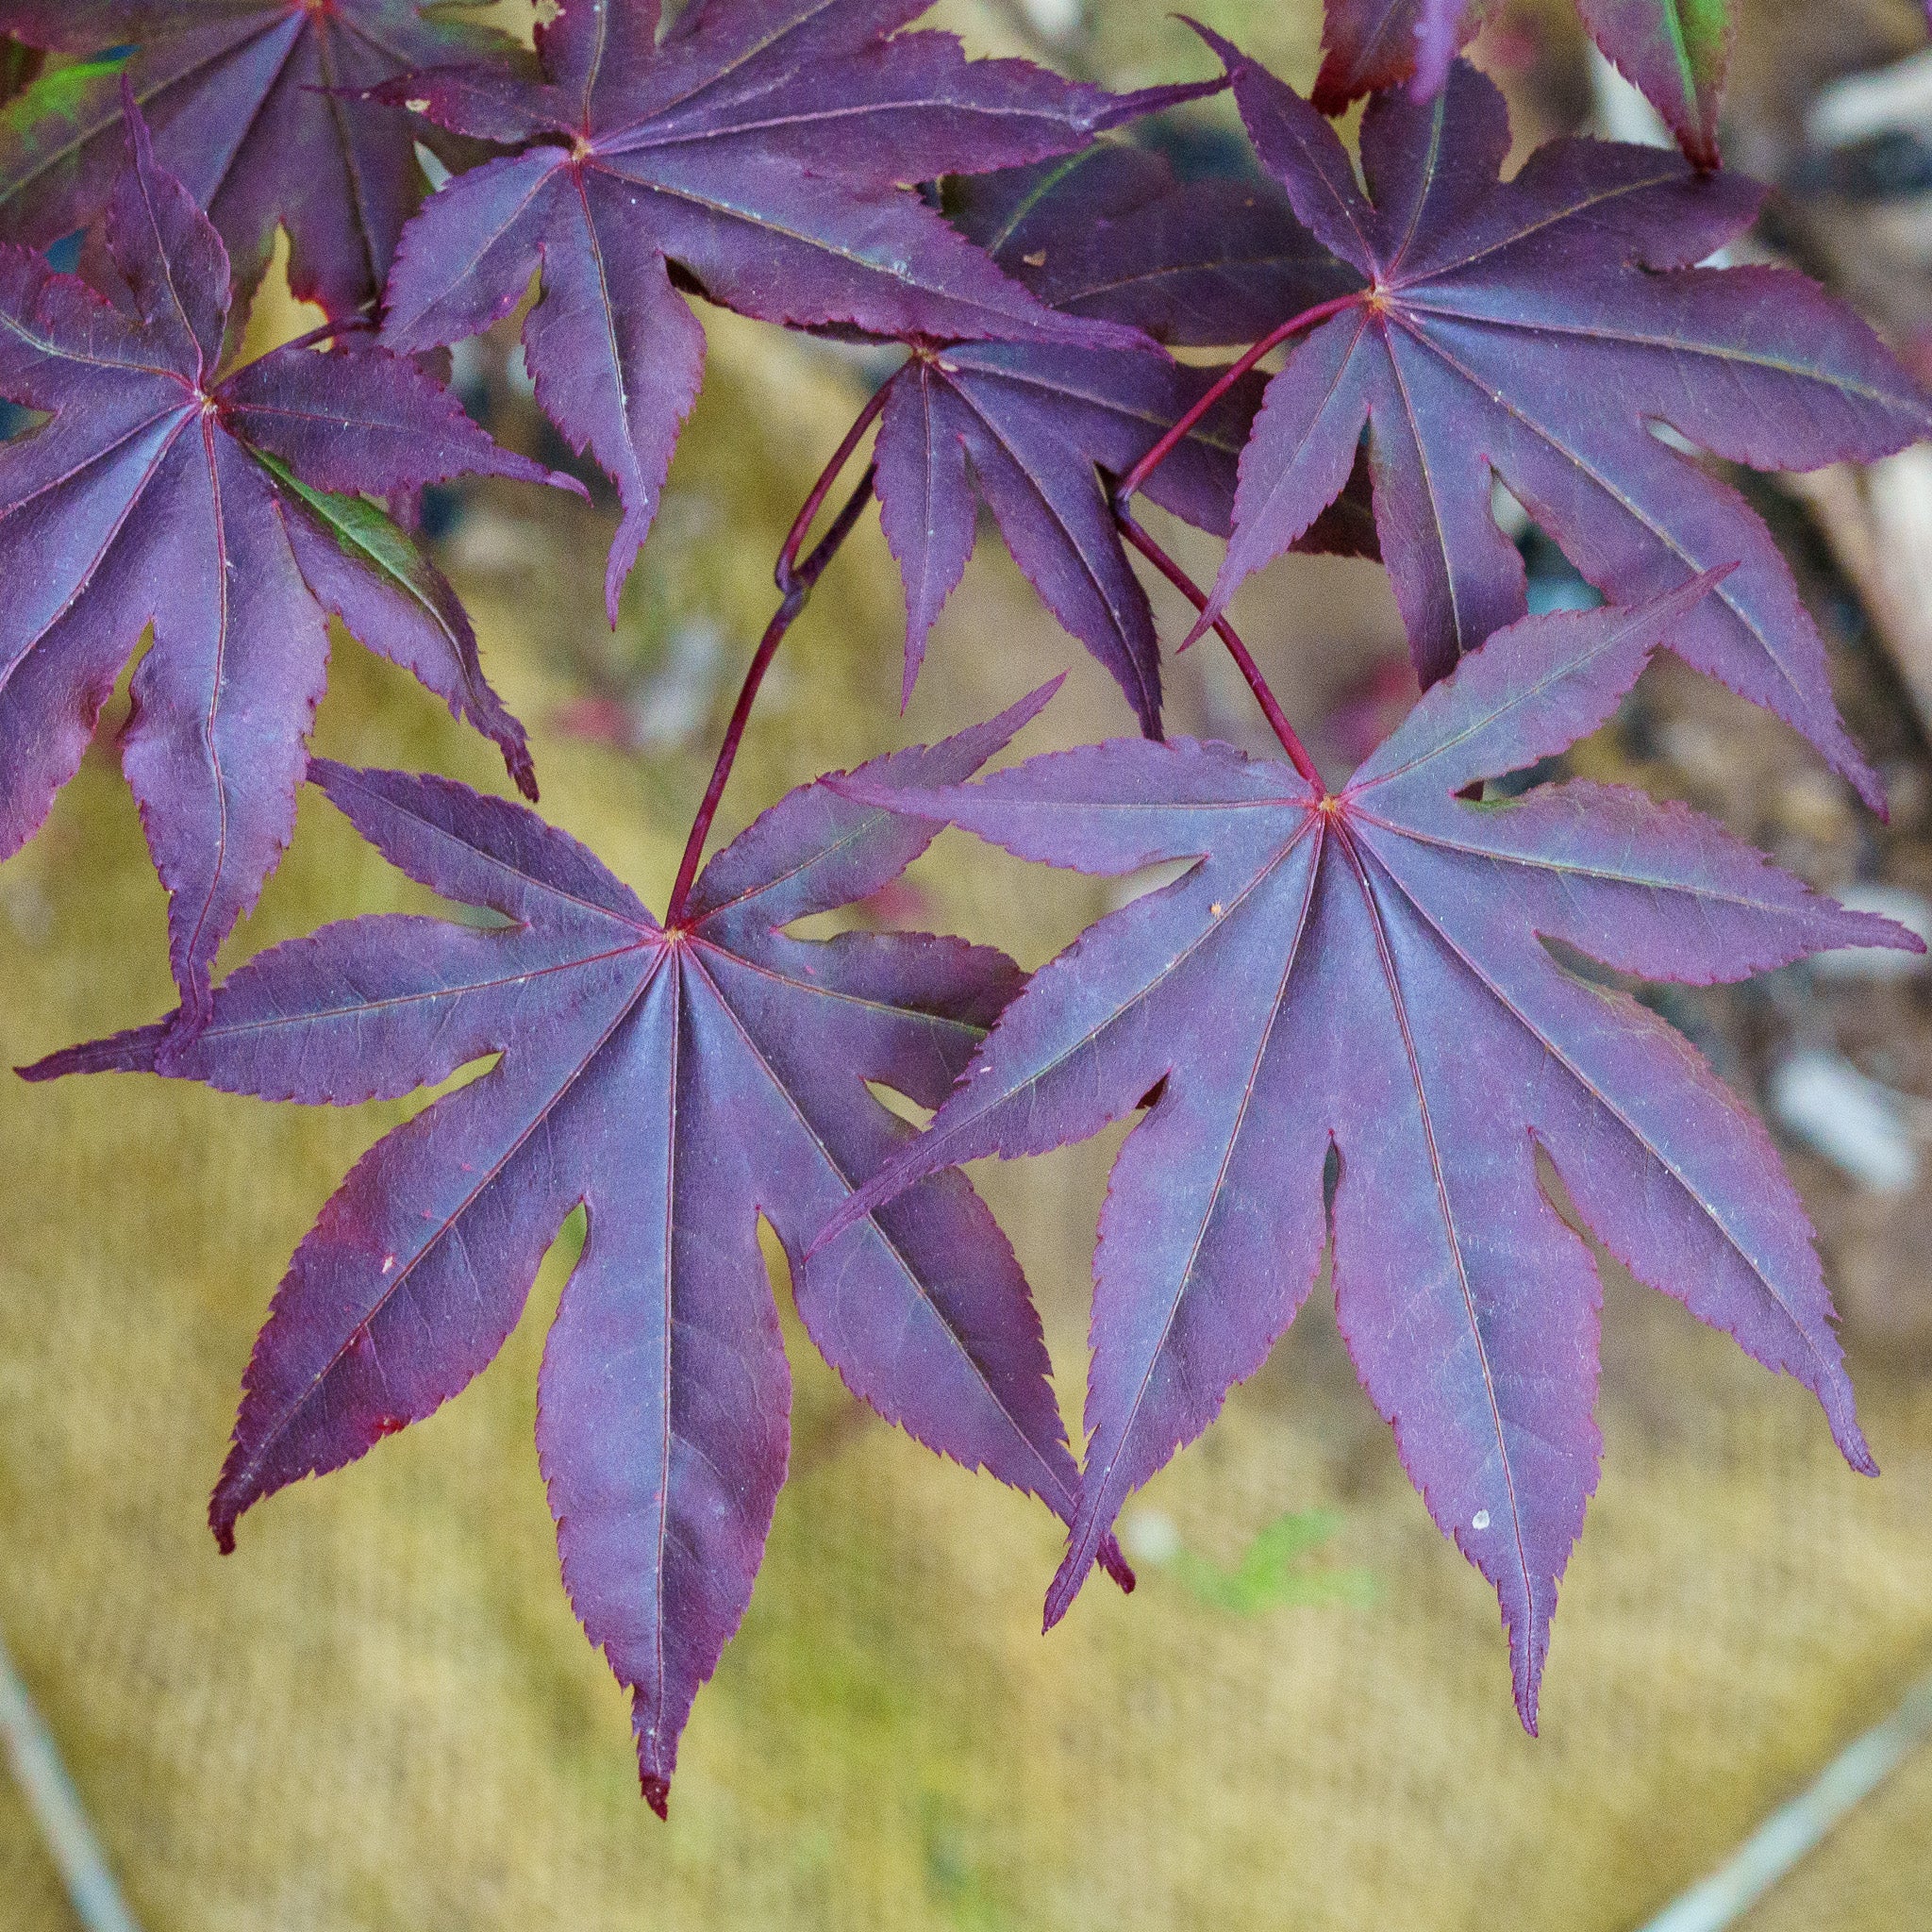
1274,1571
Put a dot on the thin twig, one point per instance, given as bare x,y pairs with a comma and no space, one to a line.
1797,1828
1220,387
57,1809
1271,706
795,580
783,575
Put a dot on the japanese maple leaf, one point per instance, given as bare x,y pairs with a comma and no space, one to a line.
757,151
1371,44
1674,50
157,493
1112,232
1364,972
1029,425
239,94
1537,330
678,1080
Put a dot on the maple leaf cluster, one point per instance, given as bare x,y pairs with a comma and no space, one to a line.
1354,1024
1676,51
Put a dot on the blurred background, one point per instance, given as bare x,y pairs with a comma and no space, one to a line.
380,1713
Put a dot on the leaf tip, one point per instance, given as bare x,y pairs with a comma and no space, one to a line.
1330,96
1526,1652
657,1791
1224,49
1693,591
625,547
1846,1433
1528,1630
885,1185
1874,929
1022,714
1870,790
1066,1585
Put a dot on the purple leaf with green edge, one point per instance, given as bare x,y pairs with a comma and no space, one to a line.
362,569
1540,331
1035,429
157,493
1676,51
1365,973
758,153
678,1084
237,95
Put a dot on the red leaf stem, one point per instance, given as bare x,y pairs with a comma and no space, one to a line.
795,580
784,575
1271,706
1229,376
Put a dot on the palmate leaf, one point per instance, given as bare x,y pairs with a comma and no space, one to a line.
1199,260
236,91
1365,973
1028,426
213,509
677,1083
1538,330
759,150
1674,50
1371,44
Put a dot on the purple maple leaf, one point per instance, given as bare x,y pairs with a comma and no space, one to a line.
1676,51
758,151
1371,44
248,108
1365,973
1203,261
157,493
1029,426
679,1081
1535,330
